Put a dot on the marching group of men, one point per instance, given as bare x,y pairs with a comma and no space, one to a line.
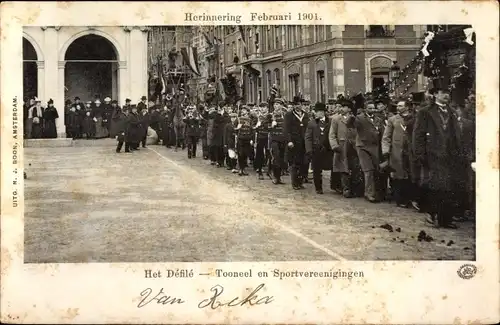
416,152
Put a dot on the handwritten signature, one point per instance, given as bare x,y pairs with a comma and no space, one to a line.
216,300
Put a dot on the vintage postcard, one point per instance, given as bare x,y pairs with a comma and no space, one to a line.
295,162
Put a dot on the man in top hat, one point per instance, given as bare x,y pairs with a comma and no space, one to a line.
121,121
437,145
128,103
134,130
396,149
142,104
369,128
317,145
295,124
35,120
115,111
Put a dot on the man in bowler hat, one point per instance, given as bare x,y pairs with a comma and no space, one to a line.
317,145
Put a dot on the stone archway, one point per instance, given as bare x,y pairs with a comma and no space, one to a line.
90,66
30,70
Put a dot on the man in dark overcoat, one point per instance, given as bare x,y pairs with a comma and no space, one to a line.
145,118
342,139
122,128
437,144
396,148
134,131
295,124
317,145
142,104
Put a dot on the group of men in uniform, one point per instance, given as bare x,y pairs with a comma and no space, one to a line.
416,152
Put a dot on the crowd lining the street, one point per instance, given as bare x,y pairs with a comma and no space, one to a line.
417,152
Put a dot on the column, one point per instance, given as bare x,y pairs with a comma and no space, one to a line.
40,79
59,100
138,69
51,68
338,74
123,84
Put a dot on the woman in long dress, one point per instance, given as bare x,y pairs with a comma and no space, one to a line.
49,120
100,127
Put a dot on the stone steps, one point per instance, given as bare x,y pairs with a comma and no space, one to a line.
66,142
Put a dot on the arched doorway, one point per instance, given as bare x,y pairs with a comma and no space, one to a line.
380,67
30,71
91,69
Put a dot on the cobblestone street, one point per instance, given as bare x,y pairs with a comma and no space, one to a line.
89,204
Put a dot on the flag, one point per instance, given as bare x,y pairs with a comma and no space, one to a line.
163,85
207,39
190,56
220,87
242,33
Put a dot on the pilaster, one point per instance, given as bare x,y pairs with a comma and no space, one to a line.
59,100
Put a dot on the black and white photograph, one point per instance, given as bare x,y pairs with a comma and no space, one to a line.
328,162
249,143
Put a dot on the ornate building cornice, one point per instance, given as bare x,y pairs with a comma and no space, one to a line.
57,28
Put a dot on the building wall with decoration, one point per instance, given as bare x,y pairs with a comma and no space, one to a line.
319,62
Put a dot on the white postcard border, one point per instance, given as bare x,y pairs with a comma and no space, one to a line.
390,292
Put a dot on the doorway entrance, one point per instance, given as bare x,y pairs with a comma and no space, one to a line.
379,79
30,71
91,69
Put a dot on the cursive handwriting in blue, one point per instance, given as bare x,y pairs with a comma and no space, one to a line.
252,299
160,298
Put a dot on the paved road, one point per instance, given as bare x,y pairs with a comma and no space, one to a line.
89,204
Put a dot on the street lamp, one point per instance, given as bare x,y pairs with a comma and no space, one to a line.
393,75
395,70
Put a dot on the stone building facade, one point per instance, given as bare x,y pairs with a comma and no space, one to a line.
85,61
317,61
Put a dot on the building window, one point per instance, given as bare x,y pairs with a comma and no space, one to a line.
269,38
259,82
319,33
379,31
269,81
277,79
293,81
257,44
277,37
298,36
249,40
320,78
250,89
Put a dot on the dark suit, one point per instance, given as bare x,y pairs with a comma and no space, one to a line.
121,127
294,131
318,149
437,145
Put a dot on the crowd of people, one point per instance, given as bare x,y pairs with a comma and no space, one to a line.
416,152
